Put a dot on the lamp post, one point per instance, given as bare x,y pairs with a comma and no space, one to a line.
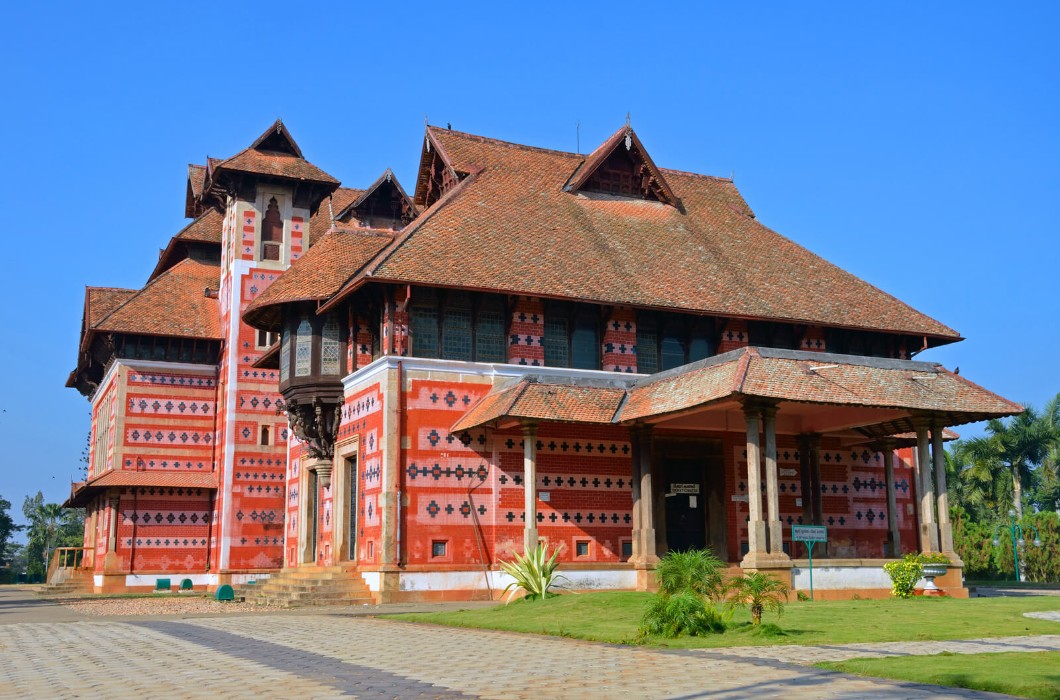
1015,531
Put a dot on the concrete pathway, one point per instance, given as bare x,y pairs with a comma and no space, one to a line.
325,656
842,652
49,651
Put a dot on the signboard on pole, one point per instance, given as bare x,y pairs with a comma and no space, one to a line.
810,535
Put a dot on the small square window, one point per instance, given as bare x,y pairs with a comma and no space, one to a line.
438,548
627,549
581,548
264,340
371,550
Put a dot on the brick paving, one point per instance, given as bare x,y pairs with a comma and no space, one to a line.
326,656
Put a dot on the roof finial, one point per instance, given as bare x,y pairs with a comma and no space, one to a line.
425,122
627,119
331,214
389,175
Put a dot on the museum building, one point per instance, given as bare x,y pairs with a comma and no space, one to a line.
586,351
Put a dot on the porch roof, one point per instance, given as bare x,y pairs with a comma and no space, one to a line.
82,491
895,392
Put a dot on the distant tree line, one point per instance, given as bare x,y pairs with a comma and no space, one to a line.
48,527
1013,467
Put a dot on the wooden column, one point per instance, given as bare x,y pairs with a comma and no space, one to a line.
530,540
774,526
929,535
894,537
938,456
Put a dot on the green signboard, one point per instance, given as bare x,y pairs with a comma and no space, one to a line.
809,533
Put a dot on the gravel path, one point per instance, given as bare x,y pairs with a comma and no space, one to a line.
110,607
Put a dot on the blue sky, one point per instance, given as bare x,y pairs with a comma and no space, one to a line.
915,144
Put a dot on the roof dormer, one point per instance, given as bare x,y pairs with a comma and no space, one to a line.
384,205
437,175
622,167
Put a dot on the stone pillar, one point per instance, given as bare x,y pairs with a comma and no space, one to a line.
775,527
757,539
530,487
929,535
110,560
938,456
894,537
644,556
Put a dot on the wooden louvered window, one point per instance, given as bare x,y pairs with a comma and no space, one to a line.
647,345
456,327
585,340
490,337
272,232
423,323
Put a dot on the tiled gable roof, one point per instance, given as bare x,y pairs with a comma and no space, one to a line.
320,222
319,273
172,304
276,165
101,301
510,227
908,389
206,228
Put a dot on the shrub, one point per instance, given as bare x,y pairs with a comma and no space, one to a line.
696,570
758,592
906,571
534,572
683,612
689,583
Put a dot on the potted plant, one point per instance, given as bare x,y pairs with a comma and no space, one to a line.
934,564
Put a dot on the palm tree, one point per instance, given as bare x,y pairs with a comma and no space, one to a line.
1017,447
46,525
757,592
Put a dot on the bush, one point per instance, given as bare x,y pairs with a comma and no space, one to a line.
908,570
696,570
689,584
534,573
683,612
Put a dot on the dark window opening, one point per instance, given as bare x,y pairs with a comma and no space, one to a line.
438,548
585,341
264,437
271,232
627,549
581,548
490,334
647,345
423,323
456,327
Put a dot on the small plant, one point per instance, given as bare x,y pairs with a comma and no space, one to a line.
758,592
684,612
803,596
534,572
905,572
696,570
689,583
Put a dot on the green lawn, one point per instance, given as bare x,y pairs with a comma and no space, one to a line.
1029,675
615,616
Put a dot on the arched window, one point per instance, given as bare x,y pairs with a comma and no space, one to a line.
330,346
303,349
271,232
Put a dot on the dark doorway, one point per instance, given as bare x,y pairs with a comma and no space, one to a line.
693,479
351,479
686,525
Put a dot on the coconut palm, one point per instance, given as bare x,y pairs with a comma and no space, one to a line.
758,592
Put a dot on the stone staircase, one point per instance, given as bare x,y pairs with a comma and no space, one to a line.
77,583
306,586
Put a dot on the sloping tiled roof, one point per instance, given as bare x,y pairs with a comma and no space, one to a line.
531,400
172,304
818,378
320,222
510,227
274,164
82,491
196,178
913,388
319,273
597,157
206,228
101,301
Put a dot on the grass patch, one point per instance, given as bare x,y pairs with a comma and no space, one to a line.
1026,674
615,617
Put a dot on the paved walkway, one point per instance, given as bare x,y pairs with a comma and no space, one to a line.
48,651
843,652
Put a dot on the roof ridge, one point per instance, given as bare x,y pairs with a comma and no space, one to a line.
502,142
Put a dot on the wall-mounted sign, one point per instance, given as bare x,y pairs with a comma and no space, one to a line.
684,488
